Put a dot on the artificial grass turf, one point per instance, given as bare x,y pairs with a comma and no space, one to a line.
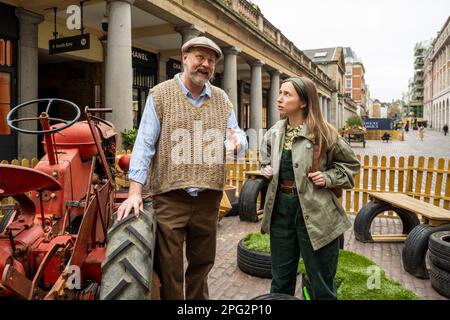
352,274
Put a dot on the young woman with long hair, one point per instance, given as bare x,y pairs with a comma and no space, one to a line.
302,212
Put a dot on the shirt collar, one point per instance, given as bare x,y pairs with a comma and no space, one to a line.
206,89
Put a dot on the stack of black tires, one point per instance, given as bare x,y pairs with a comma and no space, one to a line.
439,254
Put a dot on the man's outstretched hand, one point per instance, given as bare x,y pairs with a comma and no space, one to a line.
233,145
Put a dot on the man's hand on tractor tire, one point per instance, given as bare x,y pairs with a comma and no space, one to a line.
134,201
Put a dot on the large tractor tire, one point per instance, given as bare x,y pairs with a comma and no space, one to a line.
365,216
128,266
248,206
416,247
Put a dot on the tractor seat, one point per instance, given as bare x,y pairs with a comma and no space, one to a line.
15,180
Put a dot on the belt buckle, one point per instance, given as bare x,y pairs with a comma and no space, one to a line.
287,189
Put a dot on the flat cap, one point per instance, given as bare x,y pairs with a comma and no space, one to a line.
203,42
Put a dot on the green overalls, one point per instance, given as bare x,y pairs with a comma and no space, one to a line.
289,239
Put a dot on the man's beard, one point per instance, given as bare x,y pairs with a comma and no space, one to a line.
192,75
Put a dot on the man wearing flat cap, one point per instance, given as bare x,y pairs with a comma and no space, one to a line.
186,126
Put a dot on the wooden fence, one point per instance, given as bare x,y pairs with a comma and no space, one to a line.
427,179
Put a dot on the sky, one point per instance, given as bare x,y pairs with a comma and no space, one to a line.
381,32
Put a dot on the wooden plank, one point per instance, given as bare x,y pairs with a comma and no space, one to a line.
446,204
383,174
374,173
389,238
241,176
409,174
429,179
419,176
365,179
392,173
356,194
439,181
400,200
225,204
401,175
25,163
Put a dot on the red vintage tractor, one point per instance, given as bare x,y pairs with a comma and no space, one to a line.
60,239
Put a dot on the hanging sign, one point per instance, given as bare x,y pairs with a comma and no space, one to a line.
67,44
74,21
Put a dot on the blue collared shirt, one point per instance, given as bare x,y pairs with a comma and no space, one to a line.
149,131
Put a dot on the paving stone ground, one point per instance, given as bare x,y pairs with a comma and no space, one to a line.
227,281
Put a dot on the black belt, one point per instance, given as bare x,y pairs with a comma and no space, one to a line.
287,189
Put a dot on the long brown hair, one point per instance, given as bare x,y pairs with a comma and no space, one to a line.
324,133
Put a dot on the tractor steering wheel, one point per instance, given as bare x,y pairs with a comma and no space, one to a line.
12,121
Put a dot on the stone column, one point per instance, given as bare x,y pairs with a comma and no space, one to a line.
334,110
162,68
320,103
433,107
119,72
229,84
256,103
189,32
274,115
28,78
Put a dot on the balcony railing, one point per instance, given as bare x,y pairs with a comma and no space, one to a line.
254,17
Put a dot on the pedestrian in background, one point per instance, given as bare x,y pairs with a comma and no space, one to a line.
445,128
407,127
421,132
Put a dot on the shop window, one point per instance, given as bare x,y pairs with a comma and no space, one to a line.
6,53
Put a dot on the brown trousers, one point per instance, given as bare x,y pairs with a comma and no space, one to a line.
180,216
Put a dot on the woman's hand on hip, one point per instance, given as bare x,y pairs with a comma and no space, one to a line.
317,178
267,172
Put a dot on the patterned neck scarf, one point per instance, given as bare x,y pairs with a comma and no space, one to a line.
291,133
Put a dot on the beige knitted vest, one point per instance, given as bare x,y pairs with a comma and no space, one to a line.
190,150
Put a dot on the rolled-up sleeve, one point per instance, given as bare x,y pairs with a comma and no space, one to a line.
144,147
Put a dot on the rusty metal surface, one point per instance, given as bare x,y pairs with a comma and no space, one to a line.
30,179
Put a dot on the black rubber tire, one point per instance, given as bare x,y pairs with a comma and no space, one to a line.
365,216
128,267
440,280
275,296
254,263
415,249
248,198
439,246
5,220
234,209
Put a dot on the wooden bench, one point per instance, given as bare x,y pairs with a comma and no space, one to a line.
356,137
403,205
